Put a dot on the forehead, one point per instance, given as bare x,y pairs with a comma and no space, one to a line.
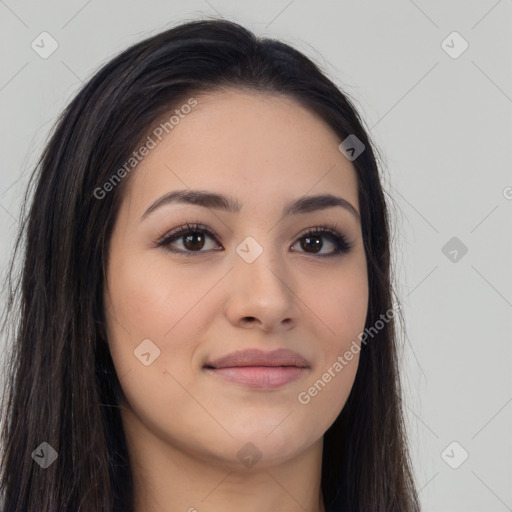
262,149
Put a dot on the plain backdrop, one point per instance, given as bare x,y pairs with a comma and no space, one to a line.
433,82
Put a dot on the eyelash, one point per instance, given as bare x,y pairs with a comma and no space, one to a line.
341,243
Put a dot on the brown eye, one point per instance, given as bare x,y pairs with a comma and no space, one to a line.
193,238
312,242
193,242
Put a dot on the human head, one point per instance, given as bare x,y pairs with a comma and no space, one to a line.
69,229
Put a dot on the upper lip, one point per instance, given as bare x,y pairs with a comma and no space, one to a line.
255,357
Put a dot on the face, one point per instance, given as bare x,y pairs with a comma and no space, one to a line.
179,304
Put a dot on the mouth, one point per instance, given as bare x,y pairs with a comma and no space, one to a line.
258,369
259,376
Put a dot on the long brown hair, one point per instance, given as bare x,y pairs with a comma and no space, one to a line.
62,388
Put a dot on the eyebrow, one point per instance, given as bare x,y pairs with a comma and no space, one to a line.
305,204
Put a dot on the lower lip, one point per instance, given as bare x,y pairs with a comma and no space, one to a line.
260,376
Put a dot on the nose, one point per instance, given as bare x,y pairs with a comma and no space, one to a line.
262,295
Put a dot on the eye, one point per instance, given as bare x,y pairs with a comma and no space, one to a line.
191,236
312,239
192,239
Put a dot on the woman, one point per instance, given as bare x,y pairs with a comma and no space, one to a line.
205,318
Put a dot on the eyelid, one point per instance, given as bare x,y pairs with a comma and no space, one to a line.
184,229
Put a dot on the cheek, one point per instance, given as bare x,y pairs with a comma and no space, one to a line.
341,306
148,304
150,300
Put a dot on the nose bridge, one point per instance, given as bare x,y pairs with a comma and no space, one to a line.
259,261
261,288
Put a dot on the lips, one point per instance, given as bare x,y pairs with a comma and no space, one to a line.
254,357
258,369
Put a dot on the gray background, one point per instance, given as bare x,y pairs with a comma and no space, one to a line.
443,125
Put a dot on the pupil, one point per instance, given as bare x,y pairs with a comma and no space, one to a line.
193,245
316,242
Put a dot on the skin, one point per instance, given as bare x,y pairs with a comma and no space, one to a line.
183,426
